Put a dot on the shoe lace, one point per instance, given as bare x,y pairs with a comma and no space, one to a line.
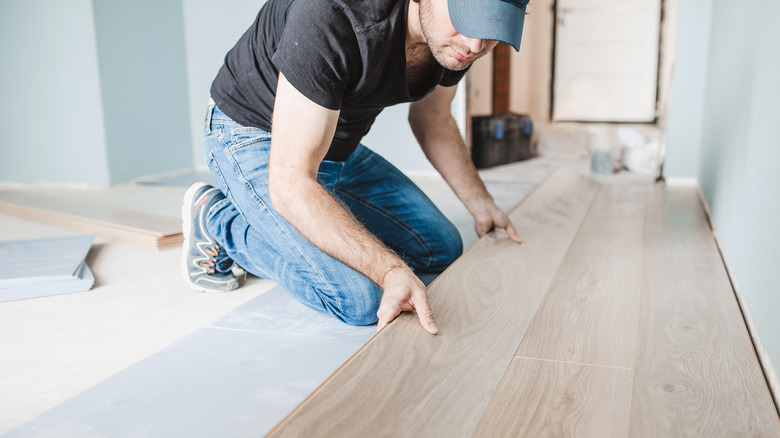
219,262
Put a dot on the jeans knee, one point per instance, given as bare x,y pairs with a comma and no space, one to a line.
440,250
359,306
452,248
363,311
360,318
448,248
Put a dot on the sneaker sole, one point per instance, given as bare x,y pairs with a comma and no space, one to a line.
186,219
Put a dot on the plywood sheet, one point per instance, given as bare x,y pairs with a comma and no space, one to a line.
405,382
696,372
540,398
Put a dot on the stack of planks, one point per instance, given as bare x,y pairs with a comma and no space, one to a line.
133,227
614,318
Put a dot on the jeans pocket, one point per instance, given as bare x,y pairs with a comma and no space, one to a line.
245,135
250,163
211,131
217,174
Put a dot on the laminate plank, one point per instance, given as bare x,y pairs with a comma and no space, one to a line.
539,398
404,382
134,227
696,373
590,313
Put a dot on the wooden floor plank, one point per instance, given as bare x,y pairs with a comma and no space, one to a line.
590,312
539,398
696,372
407,383
134,227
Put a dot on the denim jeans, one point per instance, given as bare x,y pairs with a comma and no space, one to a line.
261,240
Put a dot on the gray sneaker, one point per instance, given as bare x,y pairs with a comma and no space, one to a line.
205,264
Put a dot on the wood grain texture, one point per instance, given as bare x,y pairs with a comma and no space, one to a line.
590,312
405,382
696,372
539,398
134,227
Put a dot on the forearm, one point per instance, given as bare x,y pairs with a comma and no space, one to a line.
442,144
325,222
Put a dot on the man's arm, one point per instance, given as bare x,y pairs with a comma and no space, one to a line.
435,128
302,133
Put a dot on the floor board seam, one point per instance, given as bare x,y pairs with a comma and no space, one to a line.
574,363
541,301
647,198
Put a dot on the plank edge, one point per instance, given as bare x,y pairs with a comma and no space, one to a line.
767,368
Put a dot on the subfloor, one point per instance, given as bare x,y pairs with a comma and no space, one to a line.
143,355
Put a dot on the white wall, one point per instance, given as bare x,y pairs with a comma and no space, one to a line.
51,114
731,142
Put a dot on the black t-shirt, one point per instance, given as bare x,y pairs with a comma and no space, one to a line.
342,54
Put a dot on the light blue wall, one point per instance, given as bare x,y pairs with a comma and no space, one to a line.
392,138
739,149
94,91
210,29
143,79
51,114
683,131
106,91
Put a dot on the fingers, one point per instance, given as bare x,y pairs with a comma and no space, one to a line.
418,301
386,315
483,227
502,221
512,233
498,220
424,313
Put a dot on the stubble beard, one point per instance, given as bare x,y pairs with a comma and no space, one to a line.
437,50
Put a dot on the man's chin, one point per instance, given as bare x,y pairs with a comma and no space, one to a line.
452,64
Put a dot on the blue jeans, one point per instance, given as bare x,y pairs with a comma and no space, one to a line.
261,240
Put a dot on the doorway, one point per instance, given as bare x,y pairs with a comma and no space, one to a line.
606,58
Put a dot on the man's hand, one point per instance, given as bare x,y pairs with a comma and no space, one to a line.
435,128
491,218
403,292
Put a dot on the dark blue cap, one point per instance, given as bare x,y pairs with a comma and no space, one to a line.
499,20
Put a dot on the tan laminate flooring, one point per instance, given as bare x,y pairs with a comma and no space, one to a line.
91,212
614,318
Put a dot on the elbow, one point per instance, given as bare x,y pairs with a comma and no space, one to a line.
417,124
288,190
416,120
277,193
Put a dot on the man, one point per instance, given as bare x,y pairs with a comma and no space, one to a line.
308,206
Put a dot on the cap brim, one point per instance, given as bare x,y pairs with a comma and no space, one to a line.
489,20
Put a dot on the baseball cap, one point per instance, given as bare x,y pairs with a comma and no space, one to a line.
499,20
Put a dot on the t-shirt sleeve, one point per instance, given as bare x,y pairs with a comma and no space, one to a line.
313,51
451,78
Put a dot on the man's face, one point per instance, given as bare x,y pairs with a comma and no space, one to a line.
451,49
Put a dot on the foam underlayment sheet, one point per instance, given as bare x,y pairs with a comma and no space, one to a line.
239,376
42,267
